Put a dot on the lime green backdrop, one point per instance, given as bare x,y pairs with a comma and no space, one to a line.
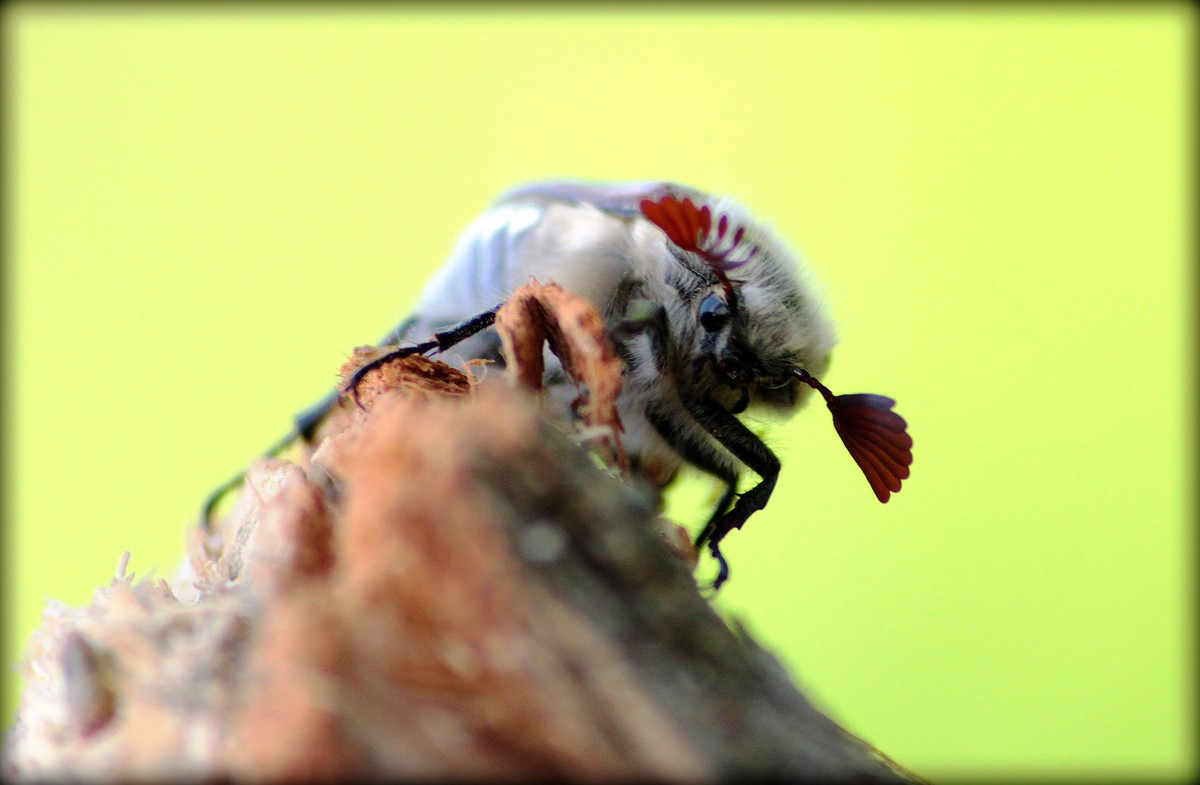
209,208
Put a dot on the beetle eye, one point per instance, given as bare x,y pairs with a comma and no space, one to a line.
714,313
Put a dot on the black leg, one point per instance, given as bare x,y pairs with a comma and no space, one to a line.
688,438
306,422
718,512
722,566
748,449
214,496
442,341
687,434
305,427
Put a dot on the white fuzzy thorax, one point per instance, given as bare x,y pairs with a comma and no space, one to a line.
592,240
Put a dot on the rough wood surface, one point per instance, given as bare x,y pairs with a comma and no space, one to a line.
450,587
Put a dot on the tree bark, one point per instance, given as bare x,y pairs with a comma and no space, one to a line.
449,587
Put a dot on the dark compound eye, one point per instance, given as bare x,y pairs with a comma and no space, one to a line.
714,313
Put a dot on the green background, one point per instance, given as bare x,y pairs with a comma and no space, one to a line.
209,208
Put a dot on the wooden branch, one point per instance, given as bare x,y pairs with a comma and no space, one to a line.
451,587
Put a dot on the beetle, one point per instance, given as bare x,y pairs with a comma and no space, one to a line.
707,309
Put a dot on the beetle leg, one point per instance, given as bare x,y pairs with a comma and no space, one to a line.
442,341
750,450
306,422
687,435
688,438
